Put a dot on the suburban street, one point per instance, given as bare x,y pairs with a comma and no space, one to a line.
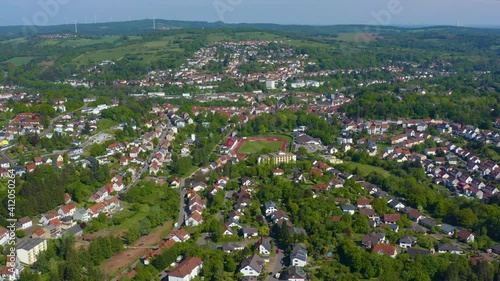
145,167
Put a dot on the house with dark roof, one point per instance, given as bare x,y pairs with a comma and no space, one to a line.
294,273
249,232
373,238
428,222
264,246
270,207
466,236
348,209
298,257
496,249
413,252
449,248
396,204
407,241
447,229
252,266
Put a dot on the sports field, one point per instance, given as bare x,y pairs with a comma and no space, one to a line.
256,144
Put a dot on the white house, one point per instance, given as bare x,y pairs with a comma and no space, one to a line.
4,236
264,246
194,220
407,242
187,270
180,235
67,210
199,186
270,207
348,209
81,215
298,256
252,266
24,223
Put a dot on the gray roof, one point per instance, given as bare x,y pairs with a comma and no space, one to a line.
230,246
250,230
293,272
412,252
254,262
348,208
29,244
428,222
394,203
446,228
297,230
76,230
448,247
266,242
299,252
408,240
270,204
372,238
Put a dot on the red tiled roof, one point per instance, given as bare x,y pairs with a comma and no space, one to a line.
67,208
186,267
391,218
384,249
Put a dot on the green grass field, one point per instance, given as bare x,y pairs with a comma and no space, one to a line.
105,124
18,61
257,146
144,51
15,40
364,169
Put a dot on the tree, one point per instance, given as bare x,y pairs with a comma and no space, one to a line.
466,217
30,275
132,235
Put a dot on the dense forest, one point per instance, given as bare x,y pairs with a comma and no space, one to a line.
43,189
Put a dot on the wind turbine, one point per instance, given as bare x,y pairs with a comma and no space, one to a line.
76,26
154,22
95,18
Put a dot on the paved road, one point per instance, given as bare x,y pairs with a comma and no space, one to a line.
275,265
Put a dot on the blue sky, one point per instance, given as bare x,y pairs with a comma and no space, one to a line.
311,12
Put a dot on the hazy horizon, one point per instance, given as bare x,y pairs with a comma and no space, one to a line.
315,12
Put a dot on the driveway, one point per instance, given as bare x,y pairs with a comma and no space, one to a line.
275,265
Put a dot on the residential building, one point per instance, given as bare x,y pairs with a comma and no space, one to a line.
187,270
277,158
4,235
466,236
28,250
24,223
407,241
270,207
264,246
252,266
384,249
449,248
298,257
294,273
